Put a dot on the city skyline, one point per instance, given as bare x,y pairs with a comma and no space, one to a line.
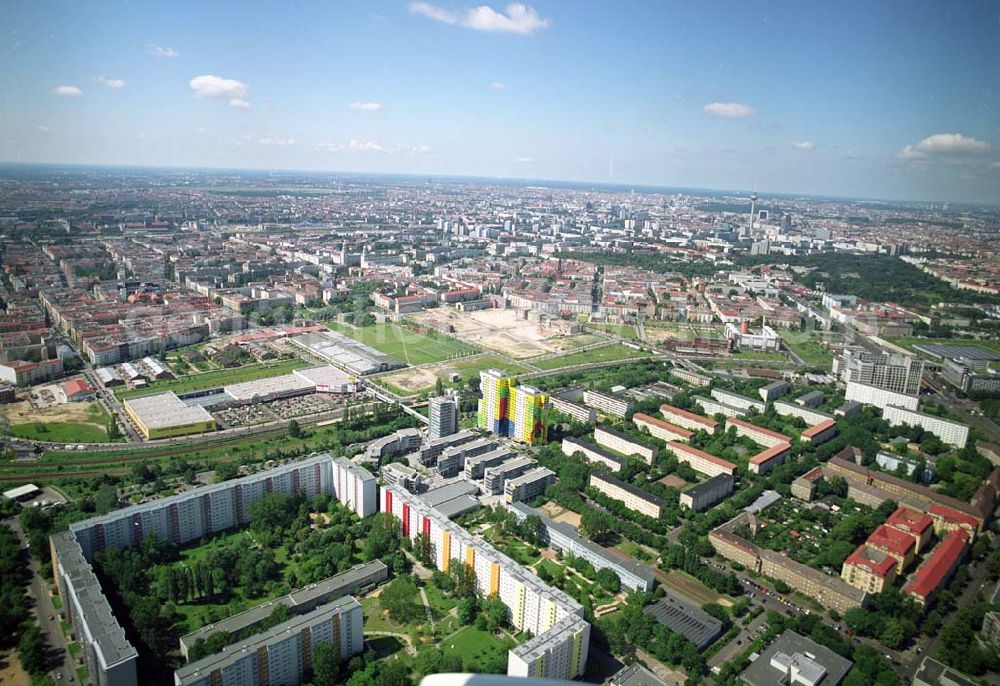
886,102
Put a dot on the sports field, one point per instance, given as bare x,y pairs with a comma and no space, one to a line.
610,352
405,344
213,379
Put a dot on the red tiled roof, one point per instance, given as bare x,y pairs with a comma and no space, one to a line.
909,520
759,429
817,429
950,515
76,386
683,448
670,409
639,416
891,540
868,559
938,564
769,454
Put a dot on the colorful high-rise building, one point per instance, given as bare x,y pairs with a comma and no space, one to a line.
507,409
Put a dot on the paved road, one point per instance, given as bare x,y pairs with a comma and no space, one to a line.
45,611
739,642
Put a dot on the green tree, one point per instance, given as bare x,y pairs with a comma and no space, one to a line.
398,599
294,430
608,580
326,665
468,609
31,650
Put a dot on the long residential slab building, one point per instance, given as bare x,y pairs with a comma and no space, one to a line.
561,635
180,519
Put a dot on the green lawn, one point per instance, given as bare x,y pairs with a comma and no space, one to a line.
61,432
213,379
405,345
605,354
473,645
811,352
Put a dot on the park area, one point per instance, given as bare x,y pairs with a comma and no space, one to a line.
405,344
63,423
215,379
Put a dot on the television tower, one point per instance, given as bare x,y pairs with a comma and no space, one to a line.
753,208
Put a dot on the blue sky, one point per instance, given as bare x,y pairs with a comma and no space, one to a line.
871,99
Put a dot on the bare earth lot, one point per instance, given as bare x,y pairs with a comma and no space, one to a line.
499,330
561,514
673,481
22,412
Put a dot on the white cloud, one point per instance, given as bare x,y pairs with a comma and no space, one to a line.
433,12
43,129
366,146
159,51
497,85
353,146
517,18
274,140
218,88
803,145
729,110
116,84
524,160
67,91
367,106
945,144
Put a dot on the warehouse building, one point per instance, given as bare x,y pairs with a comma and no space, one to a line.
164,415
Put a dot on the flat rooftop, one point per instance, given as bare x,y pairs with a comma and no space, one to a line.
237,651
762,673
685,618
165,410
